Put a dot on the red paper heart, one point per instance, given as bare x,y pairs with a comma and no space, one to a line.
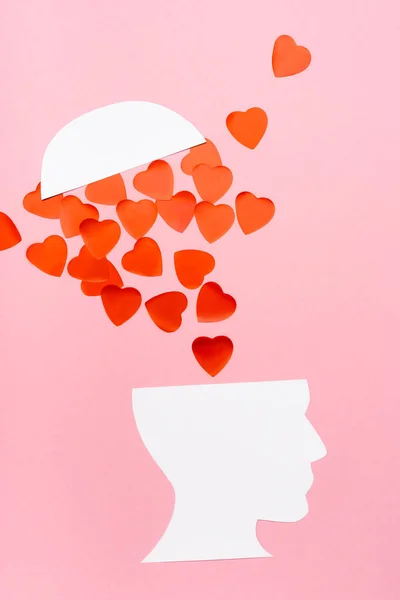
213,304
166,310
49,256
179,211
212,354
120,304
204,154
192,266
212,182
9,234
100,237
248,127
213,221
252,212
288,58
145,258
48,209
157,181
88,268
73,212
137,218
110,190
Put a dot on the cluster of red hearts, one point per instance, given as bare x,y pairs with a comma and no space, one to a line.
212,180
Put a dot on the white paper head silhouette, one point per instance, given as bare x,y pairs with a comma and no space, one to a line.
234,454
110,140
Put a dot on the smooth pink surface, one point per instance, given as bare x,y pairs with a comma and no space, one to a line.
318,294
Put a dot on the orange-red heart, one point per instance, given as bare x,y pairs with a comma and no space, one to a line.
100,237
9,234
213,304
252,212
137,218
204,154
110,190
179,211
94,288
212,182
73,212
213,221
157,181
120,304
212,354
248,127
288,58
192,266
49,256
87,268
48,209
145,258
166,310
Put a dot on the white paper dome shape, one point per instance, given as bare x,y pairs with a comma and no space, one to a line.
110,140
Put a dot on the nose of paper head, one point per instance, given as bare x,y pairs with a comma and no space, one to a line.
110,140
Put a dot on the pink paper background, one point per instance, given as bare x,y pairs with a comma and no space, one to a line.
81,502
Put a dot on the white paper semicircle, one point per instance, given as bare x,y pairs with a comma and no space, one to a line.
110,140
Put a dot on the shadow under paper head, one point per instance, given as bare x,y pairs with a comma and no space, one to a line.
110,140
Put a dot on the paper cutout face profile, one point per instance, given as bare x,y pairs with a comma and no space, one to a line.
110,140
234,454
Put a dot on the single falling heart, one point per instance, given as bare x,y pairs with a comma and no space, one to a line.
288,58
156,182
166,310
249,127
213,354
120,304
110,190
49,256
213,304
9,234
137,218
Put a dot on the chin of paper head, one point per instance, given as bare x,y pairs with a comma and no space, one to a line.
110,140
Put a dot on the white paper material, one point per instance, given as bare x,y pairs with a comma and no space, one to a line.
111,140
235,454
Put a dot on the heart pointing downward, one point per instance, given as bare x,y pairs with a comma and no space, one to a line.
213,354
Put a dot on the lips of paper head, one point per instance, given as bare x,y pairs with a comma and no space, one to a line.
110,140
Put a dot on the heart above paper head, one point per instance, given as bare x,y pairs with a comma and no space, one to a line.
213,304
288,58
213,354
